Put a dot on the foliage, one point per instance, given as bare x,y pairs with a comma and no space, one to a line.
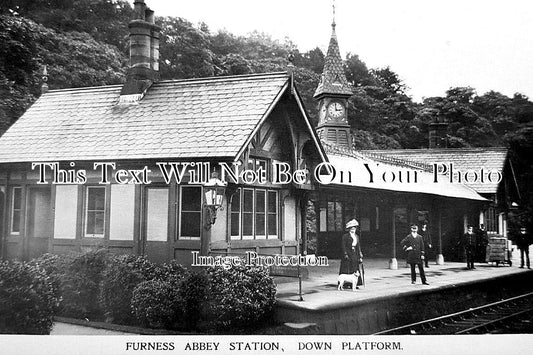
104,20
80,284
27,300
119,279
193,292
157,304
73,59
240,297
53,265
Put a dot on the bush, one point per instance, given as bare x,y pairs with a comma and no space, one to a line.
171,272
193,292
123,274
240,297
80,284
157,304
27,300
53,265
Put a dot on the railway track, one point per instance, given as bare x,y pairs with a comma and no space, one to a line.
513,315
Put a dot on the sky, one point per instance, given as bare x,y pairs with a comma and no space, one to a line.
432,45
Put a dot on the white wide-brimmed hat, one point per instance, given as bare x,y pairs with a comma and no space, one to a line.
352,223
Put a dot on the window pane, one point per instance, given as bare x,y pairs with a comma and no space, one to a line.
272,222
248,200
272,202
15,226
190,224
236,201
96,198
17,200
331,216
39,215
236,213
191,198
16,209
260,224
259,201
247,223
338,216
95,215
190,218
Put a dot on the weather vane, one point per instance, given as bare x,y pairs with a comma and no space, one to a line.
333,24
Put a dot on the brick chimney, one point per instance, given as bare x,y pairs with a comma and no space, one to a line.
144,54
438,134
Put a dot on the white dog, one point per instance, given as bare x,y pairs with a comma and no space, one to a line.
348,278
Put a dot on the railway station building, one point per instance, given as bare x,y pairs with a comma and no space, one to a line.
130,168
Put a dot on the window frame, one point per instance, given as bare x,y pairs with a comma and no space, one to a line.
180,211
12,219
86,213
239,215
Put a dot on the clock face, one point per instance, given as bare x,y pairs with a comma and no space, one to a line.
336,110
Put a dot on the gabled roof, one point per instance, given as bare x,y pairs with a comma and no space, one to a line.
199,118
333,80
463,159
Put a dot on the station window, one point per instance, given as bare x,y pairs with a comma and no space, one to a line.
16,208
95,212
334,213
190,212
254,214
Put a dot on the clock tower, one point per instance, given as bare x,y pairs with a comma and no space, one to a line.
332,96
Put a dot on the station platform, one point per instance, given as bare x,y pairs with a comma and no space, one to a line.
388,299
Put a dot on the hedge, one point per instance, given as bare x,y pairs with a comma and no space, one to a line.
27,299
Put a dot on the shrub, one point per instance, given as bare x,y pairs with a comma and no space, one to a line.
27,300
123,274
171,272
80,284
53,265
240,297
193,292
157,304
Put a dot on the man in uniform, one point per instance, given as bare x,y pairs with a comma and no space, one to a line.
482,239
522,242
469,243
414,246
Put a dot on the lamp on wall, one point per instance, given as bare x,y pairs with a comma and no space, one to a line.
214,191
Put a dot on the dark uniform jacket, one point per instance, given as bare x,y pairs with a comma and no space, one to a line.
414,256
522,241
469,241
350,255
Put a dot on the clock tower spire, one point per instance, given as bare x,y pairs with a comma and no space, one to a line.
332,96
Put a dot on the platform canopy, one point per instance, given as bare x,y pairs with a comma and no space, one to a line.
362,172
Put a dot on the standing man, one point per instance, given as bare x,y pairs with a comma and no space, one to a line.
414,246
469,243
426,237
482,239
522,242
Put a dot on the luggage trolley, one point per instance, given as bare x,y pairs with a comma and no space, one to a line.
499,250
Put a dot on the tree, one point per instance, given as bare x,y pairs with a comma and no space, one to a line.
184,50
73,59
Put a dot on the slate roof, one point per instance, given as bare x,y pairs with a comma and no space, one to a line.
491,158
354,160
333,79
205,118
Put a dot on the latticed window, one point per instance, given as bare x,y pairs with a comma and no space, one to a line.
254,214
95,212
